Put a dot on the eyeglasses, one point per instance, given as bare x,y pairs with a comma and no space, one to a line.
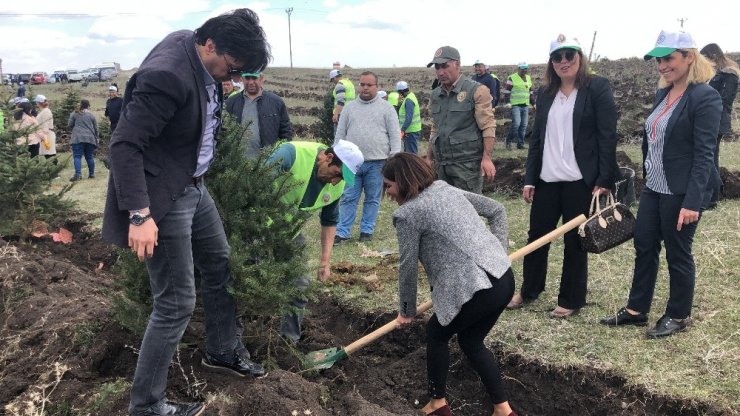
363,85
229,69
557,56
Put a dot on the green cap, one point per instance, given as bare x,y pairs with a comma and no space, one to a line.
251,74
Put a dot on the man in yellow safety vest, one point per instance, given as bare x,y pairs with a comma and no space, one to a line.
518,94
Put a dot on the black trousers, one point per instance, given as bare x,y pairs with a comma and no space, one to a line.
656,220
472,324
553,200
717,188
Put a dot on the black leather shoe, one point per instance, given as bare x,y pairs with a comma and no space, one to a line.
175,409
624,318
339,240
667,326
240,367
366,237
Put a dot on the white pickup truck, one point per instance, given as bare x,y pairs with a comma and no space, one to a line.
73,75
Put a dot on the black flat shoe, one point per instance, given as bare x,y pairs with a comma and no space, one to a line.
667,326
625,318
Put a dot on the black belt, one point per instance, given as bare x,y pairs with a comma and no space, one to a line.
198,180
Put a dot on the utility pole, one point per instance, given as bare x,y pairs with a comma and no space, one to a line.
593,41
289,10
683,19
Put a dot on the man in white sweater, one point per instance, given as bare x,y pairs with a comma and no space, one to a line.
372,124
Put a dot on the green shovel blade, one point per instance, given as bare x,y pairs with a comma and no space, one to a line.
323,359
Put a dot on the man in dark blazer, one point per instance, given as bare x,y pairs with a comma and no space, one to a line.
157,203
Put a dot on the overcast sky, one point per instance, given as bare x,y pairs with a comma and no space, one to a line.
44,35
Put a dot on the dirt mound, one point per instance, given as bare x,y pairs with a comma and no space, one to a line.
60,342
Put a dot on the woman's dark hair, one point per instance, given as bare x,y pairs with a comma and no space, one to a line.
21,108
84,105
410,173
552,80
239,34
714,53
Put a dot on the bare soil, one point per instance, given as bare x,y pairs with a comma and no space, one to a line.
56,309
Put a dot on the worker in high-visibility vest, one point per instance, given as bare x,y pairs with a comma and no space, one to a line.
518,94
393,99
409,116
344,92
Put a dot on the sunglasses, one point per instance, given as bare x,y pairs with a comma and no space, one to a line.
557,56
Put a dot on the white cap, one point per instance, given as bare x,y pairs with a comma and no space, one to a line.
382,94
351,158
668,42
522,65
401,85
333,73
20,83
562,42
478,62
39,99
113,88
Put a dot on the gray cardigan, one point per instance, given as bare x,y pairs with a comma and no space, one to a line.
84,128
442,228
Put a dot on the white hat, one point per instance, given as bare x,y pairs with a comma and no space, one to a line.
382,94
113,88
478,62
401,85
334,73
562,42
39,99
668,42
522,65
351,158
20,83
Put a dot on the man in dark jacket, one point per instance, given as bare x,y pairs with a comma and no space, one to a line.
483,76
113,107
265,112
158,205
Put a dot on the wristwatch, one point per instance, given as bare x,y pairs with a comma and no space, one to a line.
138,219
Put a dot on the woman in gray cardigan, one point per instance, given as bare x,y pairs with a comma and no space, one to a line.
84,139
467,268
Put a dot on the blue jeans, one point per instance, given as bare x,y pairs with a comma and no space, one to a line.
519,120
86,149
656,220
190,235
411,142
370,179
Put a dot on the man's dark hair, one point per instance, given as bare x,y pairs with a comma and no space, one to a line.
335,161
239,34
370,73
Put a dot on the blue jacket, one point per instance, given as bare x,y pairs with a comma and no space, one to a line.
274,122
492,83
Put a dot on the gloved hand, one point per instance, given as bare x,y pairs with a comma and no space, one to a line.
507,105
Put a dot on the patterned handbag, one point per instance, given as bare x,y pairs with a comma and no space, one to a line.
606,227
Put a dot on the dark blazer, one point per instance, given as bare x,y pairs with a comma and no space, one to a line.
594,135
690,139
274,122
725,82
154,149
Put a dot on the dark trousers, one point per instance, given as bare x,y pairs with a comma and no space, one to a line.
472,324
553,200
656,220
717,187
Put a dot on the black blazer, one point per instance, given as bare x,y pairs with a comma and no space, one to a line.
690,139
154,149
594,135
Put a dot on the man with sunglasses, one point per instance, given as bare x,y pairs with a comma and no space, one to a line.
159,207
463,129
263,111
519,94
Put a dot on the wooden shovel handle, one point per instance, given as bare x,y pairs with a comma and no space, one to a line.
534,245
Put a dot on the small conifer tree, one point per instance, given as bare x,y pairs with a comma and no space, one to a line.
326,125
25,184
260,227
61,112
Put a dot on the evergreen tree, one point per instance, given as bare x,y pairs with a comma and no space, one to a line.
25,184
326,125
61,112
260,227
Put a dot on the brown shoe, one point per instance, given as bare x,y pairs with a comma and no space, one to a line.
560,313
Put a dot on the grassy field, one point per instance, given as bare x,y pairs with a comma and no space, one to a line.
701,363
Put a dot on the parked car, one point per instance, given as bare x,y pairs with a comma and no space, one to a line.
38,78
25,78
107,74
90,75
74,75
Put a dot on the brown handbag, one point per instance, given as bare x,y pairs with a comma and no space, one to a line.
606,227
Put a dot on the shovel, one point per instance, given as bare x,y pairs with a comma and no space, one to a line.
323,359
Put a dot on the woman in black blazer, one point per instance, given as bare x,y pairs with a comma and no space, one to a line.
572,155
678,150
